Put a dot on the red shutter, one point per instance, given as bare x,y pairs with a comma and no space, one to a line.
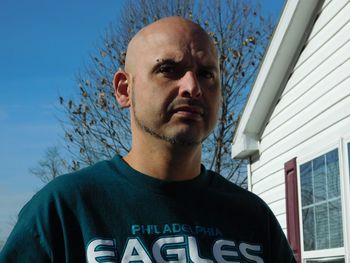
293,229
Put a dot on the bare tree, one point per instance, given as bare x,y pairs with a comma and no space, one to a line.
97,128
50,167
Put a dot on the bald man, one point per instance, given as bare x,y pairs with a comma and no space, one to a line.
157,203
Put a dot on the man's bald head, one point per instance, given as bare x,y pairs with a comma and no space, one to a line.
171,82
177,27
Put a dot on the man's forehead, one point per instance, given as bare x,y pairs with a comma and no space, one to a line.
171,38
176,35
184,54
168,41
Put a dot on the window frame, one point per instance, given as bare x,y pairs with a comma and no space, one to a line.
346,191
341,146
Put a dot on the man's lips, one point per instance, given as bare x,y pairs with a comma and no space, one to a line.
189,111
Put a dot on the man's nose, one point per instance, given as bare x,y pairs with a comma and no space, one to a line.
189,85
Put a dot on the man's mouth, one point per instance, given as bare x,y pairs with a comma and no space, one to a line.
191,112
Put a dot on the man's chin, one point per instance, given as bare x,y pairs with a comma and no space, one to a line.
185,141
182,138
183,133
188,137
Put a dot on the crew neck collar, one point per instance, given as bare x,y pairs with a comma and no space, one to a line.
161,186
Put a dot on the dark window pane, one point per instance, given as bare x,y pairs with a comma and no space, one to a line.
309,228
321,216
306,184
333,182
335,224
319,179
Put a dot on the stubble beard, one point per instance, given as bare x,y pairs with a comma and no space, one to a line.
176,141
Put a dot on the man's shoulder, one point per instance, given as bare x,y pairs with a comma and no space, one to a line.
231,191
220,183
87,176
74,185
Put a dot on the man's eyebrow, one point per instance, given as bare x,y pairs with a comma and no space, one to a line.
165,61
174,62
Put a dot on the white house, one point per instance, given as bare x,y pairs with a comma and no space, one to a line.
295,129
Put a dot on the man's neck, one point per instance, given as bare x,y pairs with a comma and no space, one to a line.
165,161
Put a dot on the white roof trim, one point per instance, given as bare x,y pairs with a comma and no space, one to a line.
280,56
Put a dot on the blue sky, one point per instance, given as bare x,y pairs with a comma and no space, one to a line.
44,43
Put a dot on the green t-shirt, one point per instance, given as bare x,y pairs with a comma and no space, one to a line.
110,212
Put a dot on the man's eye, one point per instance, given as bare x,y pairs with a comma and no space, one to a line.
166,69
206,74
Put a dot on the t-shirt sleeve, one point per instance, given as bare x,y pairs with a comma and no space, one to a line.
280,248
23,246
28,241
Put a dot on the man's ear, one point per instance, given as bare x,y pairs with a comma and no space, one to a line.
121,88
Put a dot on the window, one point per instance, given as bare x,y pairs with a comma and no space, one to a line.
321,204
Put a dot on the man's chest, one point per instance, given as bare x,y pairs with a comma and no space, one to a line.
173,242
165,232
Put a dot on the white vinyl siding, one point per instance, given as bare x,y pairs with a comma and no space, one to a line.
314,108
331,22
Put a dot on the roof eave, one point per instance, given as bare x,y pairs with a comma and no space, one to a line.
245,146
285,46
